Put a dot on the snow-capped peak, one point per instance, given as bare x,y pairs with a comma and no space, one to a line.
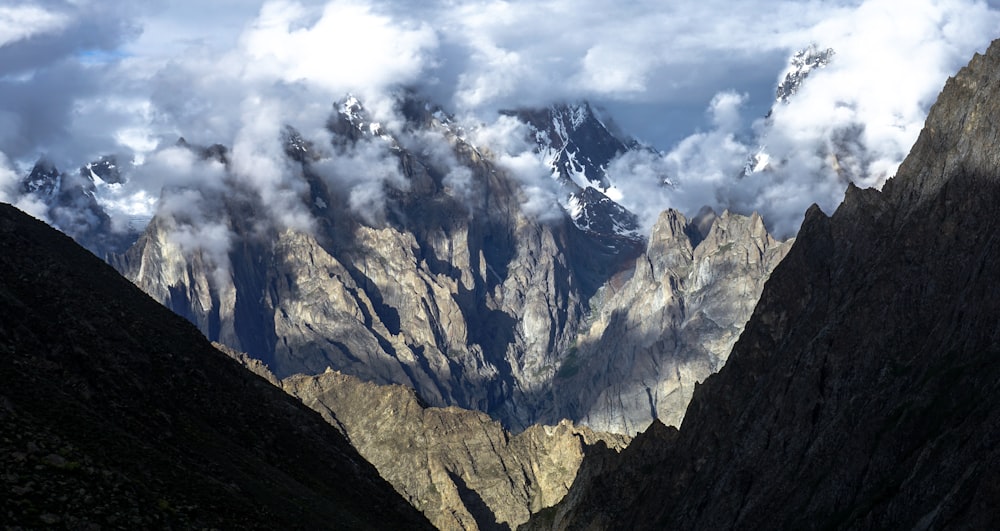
800,65
354,114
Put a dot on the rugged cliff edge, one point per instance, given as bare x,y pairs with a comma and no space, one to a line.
659,328
461,468
114,412
863,393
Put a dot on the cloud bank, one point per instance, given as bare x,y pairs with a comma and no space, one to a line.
851,121
82,78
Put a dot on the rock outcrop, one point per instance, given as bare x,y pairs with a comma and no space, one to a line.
461,468
863,392
656,330
116,413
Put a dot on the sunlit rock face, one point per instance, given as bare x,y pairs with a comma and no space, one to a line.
659,328
456,284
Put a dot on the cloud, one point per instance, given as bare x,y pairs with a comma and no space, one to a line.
82,78
698,171
348,48
19,22
852,121
363,171
507,141
197,225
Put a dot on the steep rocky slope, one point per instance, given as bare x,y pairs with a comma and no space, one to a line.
666,324
114,412
466,301
461,468
863,393
469,297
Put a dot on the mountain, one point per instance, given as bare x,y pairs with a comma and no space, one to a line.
117,413
461,468
72,204
801,64
578,147
656,330
863,392
426,265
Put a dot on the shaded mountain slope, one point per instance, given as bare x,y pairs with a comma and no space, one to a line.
865,390
116,412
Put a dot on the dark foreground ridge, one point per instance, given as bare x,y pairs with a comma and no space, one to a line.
114,412
865,390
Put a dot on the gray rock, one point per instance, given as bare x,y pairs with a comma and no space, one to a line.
863,392
473,304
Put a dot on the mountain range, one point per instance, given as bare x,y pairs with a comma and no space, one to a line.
472,300
434,320
863,391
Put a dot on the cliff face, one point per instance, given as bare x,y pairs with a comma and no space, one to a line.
470,299
659,328
862,394
461,468
467,303
116,412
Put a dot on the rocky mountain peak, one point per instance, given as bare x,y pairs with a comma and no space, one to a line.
800,66
353,121
959,137
44,180
578,147
72,204
104,170
574,143
657,329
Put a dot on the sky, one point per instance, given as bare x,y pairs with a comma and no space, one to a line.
691,78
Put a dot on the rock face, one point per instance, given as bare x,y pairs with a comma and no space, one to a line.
117,413
466,302
863,392
468,297
461,468
577,147
668,323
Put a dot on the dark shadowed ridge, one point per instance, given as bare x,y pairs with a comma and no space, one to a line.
865,390
114,412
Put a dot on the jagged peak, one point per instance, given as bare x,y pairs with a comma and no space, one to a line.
800,65
43,180
216,152
351,118
959,134
105,169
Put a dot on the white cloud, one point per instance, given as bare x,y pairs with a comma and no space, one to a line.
506,139
77,81
363,172
22,21
197,225
349,48
853,121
